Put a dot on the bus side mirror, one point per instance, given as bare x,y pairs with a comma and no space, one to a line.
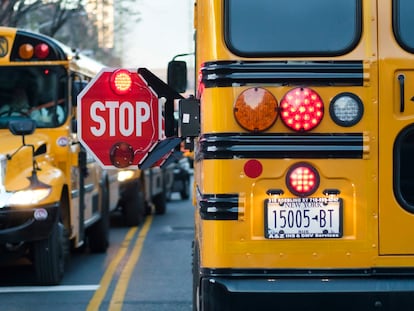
177,75
77,87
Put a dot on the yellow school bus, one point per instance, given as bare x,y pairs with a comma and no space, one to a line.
304,175
53,195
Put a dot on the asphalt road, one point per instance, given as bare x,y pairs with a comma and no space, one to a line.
145,268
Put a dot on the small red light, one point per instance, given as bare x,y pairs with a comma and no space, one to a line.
121,155
253,168
121,81
302,179
301,109
41,51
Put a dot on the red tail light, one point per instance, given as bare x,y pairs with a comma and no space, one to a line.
302,179
121,81
301,109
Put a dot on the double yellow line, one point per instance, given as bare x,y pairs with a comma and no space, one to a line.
123,281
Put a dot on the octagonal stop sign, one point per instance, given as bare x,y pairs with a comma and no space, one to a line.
119,118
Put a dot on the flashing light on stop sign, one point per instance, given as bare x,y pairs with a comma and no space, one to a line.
121,81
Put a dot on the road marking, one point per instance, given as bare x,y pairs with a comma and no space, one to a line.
37,289
99,295
123,282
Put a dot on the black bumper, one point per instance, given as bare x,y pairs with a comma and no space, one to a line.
333,294
21,225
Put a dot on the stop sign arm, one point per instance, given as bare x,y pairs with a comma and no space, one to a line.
163,90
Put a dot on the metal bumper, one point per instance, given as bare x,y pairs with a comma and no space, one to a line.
379,293
27,224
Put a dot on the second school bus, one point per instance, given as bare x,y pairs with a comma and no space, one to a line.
304,174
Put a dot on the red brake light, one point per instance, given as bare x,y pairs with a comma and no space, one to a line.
121,81
302,179
301,109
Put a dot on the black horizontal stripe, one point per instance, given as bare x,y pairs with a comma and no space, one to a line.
219,206
229,73
278,146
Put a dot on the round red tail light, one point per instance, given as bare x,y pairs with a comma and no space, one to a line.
255,109
301,109
121,81
302,179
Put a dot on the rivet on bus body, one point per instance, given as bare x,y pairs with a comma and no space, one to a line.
315,254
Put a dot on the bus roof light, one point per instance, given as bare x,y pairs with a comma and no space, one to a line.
41,51
26,51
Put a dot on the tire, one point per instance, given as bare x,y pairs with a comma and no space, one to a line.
98,233
50,256
134,207
160,202
185,192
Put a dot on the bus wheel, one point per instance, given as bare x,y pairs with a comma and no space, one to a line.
50,256
185,192
98,233
160,202
134,207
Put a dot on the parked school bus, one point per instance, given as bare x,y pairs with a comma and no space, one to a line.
304,147
54,197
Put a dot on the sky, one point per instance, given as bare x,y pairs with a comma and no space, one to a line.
165,30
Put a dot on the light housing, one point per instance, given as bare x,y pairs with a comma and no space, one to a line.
255,109
302,179
346,109
301,109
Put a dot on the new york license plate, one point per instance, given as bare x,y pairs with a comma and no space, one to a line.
303,218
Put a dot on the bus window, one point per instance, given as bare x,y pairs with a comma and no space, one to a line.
404,23
44,101
265,27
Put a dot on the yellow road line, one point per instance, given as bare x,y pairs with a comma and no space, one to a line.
108,276
122,285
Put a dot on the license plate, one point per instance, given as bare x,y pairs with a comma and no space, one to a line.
303,218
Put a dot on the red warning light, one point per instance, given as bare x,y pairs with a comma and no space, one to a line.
121,81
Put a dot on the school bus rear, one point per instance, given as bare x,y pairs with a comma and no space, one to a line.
301,164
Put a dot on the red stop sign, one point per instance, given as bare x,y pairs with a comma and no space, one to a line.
119,118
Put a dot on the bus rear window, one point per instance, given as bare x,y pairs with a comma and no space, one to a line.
403,21
292,28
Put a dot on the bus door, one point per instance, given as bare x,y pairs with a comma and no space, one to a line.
396,130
